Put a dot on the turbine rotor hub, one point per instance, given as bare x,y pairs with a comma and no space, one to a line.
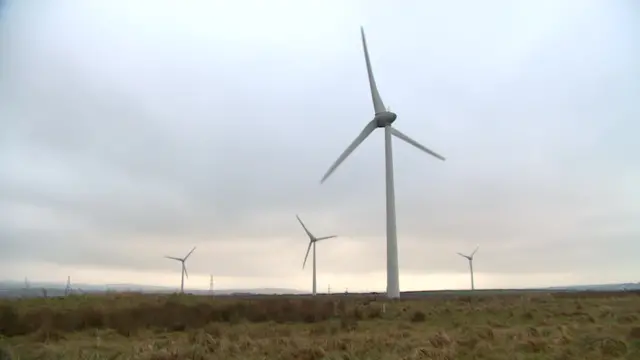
386,118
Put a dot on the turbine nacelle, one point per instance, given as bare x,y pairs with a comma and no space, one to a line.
312,239
385,118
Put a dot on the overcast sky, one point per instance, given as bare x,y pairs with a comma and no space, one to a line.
130,130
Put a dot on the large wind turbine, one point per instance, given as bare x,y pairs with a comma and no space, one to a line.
383,119
470,258
312,242
184,267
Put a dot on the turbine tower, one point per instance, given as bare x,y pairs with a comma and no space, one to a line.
312,242
383,118
184,268
470,258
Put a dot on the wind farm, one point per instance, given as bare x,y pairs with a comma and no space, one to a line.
206,127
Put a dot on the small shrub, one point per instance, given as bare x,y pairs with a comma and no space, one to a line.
9,321
348,323
440,340
374,312
357,313
5,354
418,316
634,333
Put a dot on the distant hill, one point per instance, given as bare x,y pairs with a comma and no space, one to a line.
17,289
37,289
603,287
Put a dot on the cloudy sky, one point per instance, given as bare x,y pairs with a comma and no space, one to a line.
130,130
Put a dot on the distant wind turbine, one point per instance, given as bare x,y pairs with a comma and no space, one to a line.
184,267
312,242
67,289
383,118
470,258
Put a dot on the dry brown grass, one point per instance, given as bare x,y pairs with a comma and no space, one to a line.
125,326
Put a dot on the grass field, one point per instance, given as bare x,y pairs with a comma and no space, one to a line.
514,326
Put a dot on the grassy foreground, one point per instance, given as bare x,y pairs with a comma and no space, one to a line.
132,326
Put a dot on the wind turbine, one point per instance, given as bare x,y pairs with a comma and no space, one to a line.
184,267
312,242
470,258
67,289
383,118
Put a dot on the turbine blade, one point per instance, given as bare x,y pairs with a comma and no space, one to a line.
404,137
474,251
173,258
189,254
305,228
326,237
463,255
184,268
306,255
368,129
378,105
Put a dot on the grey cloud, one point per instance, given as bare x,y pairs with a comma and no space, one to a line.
126,138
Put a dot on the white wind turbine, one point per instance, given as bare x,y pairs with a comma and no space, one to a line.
470,258
184,267
383,119
312,242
